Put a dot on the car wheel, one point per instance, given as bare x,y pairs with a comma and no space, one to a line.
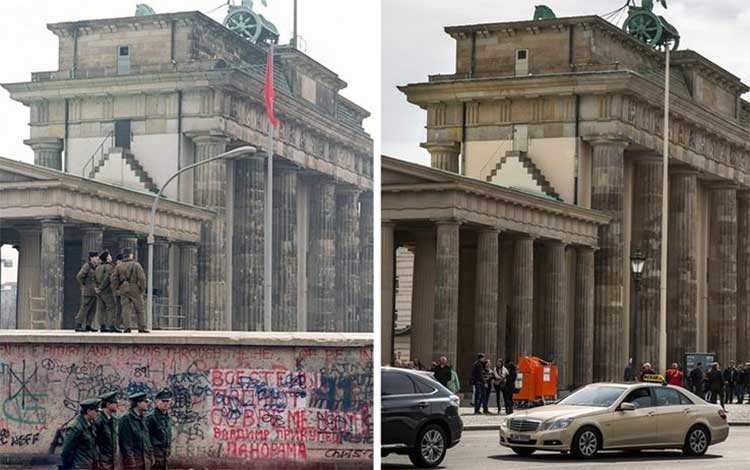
430,447
523,451
586,443
696,441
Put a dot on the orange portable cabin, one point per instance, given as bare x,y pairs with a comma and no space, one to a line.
537,380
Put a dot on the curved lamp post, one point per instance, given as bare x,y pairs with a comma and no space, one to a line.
230,155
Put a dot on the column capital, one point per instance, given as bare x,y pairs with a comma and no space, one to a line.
346,189
52,221
722,185
489,229
207,137
646,157
442,146
607,140
91,228
45,143
448,221
682,170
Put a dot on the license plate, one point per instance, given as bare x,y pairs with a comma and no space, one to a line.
520,437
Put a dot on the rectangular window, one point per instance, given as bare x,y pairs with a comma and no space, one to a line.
522,62
123,60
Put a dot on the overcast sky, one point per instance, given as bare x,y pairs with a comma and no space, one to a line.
415,45
343,35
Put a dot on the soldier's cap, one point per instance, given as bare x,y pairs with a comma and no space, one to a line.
118,257
110,397
104,255
126,252
164,395
90,404
93,254
138,397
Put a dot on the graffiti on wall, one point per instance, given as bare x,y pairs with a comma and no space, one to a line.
235,402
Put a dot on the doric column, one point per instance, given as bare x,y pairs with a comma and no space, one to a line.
47,152
607,180
52,280
521,321
683,256
29,272
387,290
445,325
127,240
646,230
743,274
366,269
91,240
423,297
583,346
321,258
556,310
189,285
444,155
284,248
247,244
722,274
210,192
485,298
347,258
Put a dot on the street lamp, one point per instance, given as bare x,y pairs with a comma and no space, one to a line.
637,262
233,154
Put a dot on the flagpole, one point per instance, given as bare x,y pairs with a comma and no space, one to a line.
294,38
664,222
268,217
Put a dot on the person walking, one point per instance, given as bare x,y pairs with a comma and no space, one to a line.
79,446
133,439
479,382
674,375
630,373
730,381
716,384
105,431
696,380
741,379
160,430
499,376
646,369
443,371
487,376
87,281
129,280
454,385
510,388
105,299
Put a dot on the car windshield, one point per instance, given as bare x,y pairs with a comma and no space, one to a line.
601,396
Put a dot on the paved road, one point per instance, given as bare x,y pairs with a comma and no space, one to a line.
479,450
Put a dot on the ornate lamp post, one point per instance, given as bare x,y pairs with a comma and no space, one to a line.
637,263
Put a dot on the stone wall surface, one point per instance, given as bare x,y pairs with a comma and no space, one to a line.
301,398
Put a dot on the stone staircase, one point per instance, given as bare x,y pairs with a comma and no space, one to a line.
531,168
134,165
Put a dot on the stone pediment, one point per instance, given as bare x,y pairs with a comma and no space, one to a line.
13,171
415,175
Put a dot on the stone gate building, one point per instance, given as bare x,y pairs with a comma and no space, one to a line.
135,99
572,108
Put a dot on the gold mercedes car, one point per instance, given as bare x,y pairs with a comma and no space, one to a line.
610,416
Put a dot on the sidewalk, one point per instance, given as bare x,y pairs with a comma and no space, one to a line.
737,415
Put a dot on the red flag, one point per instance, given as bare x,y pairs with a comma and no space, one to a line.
268,89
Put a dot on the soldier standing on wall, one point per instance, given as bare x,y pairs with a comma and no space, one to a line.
160,431
130,282
86,279
118,303
79,448
105,428
133,439
105,303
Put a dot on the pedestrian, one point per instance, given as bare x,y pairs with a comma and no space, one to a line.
740,387
443,371
79,447
674,375
479,382
130,282
105,299
499,376
730,382
133,438
160,430
747,381
510,388
715,384
696,380
487,376
87,281
454,385
105,431
629,374
646,369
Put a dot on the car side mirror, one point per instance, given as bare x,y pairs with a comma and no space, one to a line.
626,406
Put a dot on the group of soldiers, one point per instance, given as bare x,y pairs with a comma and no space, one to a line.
142,440
114,290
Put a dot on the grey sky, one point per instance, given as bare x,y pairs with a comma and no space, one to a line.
415,45
341,34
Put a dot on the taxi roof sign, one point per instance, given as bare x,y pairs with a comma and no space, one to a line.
654,378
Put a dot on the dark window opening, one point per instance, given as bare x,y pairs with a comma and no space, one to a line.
124,50
522,54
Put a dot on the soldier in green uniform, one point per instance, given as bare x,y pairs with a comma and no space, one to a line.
87,281
130,282
133,439
159,429
105,299
79,447
105,428
118,304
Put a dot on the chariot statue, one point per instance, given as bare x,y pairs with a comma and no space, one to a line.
649,28
141,9
543,12
252,26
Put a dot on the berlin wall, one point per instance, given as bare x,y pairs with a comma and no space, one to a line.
299,397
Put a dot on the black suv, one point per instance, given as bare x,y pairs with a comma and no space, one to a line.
419,416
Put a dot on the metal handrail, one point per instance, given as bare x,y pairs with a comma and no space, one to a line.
99,151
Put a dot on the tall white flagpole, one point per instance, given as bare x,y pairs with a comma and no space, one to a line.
268,225
664,224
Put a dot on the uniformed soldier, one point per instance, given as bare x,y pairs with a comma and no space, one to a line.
118,304
79,447
86,279
105,299
133,439
130,282
105,429
160,430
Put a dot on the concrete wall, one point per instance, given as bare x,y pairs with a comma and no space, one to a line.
298,397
